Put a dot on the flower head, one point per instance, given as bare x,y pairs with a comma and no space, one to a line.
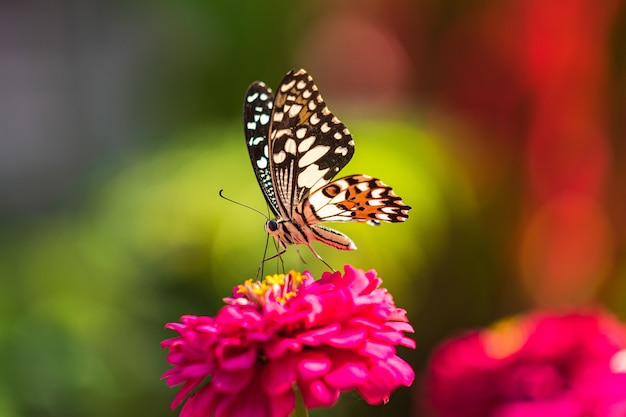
540,364
326,336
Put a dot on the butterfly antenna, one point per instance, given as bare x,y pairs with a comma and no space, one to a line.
221,193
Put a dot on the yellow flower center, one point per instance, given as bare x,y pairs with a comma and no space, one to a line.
281,286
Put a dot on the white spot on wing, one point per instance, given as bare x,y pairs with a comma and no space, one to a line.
337,135
310,176
252,97
264,119
325,128
301,85
264,96
314,119
377,192
286,87
341,150
262,162
313,155
305,144
279,157
294,110
278,116
331,210
257,140
290,146
251,125
301,132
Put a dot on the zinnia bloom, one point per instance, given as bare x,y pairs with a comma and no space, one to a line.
541,364
323,337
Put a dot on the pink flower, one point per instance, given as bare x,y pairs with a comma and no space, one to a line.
541,364
323,337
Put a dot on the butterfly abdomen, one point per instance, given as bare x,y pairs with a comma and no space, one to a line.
289,232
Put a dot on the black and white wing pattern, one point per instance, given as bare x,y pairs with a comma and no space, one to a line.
308,144
355,198
257,113
297,146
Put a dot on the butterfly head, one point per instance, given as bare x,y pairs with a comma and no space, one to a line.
271,226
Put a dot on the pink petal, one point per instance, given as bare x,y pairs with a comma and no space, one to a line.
231,381
377,350
312,365
234,354
347,338
347,376
318,394
403,371
282,405
278,348
184,391
279,376
318,336
200,370
202,403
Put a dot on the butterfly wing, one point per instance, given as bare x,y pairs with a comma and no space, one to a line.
308,144
257,112
359,198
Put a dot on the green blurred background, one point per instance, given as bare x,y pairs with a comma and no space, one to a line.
500,122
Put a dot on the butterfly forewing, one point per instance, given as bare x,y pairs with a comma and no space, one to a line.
308,144
257,113
359,198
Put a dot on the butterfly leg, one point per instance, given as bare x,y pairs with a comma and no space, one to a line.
300,255
277,256
320,258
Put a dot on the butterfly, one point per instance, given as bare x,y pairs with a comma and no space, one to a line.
297,146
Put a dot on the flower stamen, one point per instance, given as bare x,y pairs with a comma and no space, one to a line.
277,287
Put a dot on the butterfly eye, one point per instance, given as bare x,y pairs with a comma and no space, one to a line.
271,226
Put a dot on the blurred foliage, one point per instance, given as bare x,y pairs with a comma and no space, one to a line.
90,291
200,52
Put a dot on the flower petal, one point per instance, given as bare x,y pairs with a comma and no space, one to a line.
347,376
312,365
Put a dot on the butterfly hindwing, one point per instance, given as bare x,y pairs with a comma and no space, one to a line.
308,144
257,113
359,198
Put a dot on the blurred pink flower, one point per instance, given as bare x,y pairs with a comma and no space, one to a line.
540,364
323,337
